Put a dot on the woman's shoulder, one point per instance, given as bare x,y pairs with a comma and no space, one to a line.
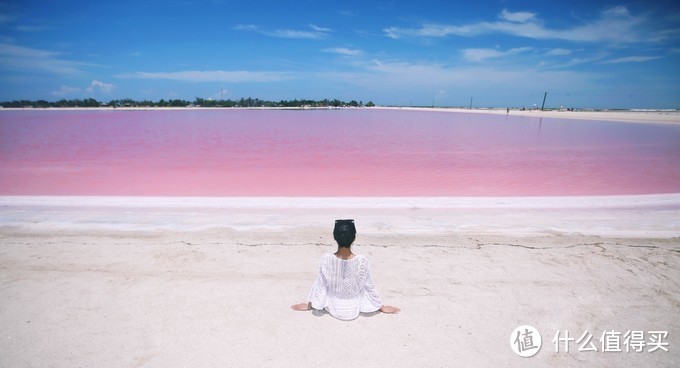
357,257
328,256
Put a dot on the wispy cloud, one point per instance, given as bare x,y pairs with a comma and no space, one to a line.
296,34
95,86
314,33
100,86
13,57
519,17
558,52
343,51
430,30
247,27
575,61
632,59
320,29
239,76
476,55
615,25
413,78
347,13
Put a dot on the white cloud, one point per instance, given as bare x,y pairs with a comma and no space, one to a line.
615,25
617,11
558,52
238,76
25,52
320,29
246,27
95,86
430,30
408,70
480,54
315,33
596,57
476,55
99,86
519,17
632,59
13,57
343,51
412,79
296,34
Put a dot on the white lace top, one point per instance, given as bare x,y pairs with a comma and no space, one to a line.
345,287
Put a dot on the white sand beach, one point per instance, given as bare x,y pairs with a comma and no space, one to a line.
632,116
204,282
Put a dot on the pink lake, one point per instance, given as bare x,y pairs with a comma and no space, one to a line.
355,152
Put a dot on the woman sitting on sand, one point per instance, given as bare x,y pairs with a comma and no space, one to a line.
344,286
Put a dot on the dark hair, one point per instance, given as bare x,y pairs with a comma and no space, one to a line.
344,233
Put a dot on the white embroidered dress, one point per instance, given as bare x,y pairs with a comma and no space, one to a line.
345,287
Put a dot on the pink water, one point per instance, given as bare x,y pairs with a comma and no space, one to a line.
358,152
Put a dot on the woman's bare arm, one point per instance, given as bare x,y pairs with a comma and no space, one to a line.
389,309
301,306
308,306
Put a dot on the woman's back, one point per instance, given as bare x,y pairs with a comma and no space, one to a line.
345,287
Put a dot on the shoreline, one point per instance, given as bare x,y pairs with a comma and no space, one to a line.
635,216
624,116
604,201
644,117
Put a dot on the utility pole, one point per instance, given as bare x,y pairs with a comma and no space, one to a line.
470,103
544,96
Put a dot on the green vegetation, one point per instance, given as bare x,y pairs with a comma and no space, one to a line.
198,102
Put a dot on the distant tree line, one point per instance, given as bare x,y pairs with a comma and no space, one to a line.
198,102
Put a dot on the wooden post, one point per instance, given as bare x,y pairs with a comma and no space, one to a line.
544,96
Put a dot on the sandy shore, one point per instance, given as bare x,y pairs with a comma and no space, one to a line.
169,282
653,117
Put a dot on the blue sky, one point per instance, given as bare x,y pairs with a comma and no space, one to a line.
620,54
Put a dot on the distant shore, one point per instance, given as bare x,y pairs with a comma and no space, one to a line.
633,116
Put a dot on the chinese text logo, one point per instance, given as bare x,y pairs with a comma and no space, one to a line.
525,341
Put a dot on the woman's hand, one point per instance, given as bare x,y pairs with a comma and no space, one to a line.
301,307
389,309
